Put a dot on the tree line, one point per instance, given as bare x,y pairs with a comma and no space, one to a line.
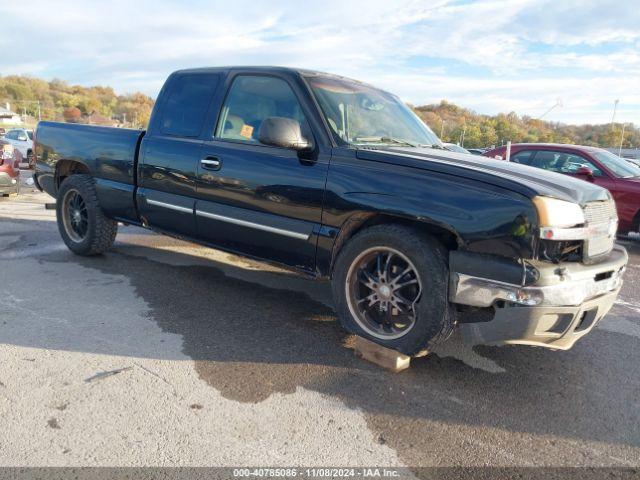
459,125
57,100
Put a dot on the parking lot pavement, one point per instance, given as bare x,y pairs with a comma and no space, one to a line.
165,353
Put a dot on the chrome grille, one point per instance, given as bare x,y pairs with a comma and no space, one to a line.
599,212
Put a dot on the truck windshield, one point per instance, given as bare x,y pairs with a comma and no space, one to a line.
359,115
619,167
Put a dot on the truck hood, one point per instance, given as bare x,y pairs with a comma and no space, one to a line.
523,179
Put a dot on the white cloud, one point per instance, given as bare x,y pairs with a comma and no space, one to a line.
584,100
489,55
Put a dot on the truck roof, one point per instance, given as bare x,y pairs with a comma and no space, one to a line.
266,68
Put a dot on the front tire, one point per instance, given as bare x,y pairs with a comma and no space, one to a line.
83,226
390,285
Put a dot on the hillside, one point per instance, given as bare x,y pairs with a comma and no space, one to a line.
57,100
484,130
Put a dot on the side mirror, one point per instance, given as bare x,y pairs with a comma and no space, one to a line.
585,172
22,138
283,132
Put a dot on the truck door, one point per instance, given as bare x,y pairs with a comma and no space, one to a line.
256,199
170,152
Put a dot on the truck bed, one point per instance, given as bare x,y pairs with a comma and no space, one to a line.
109,155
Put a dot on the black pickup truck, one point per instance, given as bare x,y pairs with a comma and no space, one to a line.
337,179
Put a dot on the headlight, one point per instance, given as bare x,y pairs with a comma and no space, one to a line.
558,213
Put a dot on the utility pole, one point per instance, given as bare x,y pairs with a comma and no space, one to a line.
621,140
442,129
615,107
30,102
464,130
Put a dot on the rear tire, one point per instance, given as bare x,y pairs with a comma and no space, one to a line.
83,226
390,285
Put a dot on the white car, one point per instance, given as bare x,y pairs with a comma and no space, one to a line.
21,139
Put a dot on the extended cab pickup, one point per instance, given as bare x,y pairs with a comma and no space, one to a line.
340,180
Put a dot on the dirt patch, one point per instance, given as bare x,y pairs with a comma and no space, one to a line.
53,423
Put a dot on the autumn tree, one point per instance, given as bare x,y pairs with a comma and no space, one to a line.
72,114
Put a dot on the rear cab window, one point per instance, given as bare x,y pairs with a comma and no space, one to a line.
187,103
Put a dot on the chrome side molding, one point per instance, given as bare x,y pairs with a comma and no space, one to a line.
170,206
257,226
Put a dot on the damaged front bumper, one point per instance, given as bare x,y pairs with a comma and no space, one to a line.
562,304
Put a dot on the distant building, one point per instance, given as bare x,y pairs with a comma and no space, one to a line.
633,153
7,117
96,119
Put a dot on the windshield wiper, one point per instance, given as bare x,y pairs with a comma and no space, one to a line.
437,146
397,141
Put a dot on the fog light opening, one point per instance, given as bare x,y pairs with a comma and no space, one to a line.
524,297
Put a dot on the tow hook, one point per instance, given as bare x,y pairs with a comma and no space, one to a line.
563,273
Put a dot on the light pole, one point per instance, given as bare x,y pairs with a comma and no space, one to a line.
557,104
621,140
464,130
615,107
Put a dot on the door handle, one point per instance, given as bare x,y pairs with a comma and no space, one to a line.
211,163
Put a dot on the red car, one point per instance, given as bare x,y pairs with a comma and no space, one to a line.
592,164
9,168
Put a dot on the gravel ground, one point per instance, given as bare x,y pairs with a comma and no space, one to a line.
165,353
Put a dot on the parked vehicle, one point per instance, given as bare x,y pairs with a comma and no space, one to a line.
9,171
22,140
626,153
455,148
633,161
340,180
595,165
476,151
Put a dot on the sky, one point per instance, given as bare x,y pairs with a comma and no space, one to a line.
489,55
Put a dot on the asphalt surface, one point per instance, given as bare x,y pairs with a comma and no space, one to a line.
219,361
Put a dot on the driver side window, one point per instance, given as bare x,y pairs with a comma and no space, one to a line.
574,162
524,157
251,100
563,162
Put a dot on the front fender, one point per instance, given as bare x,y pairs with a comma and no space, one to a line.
482,218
